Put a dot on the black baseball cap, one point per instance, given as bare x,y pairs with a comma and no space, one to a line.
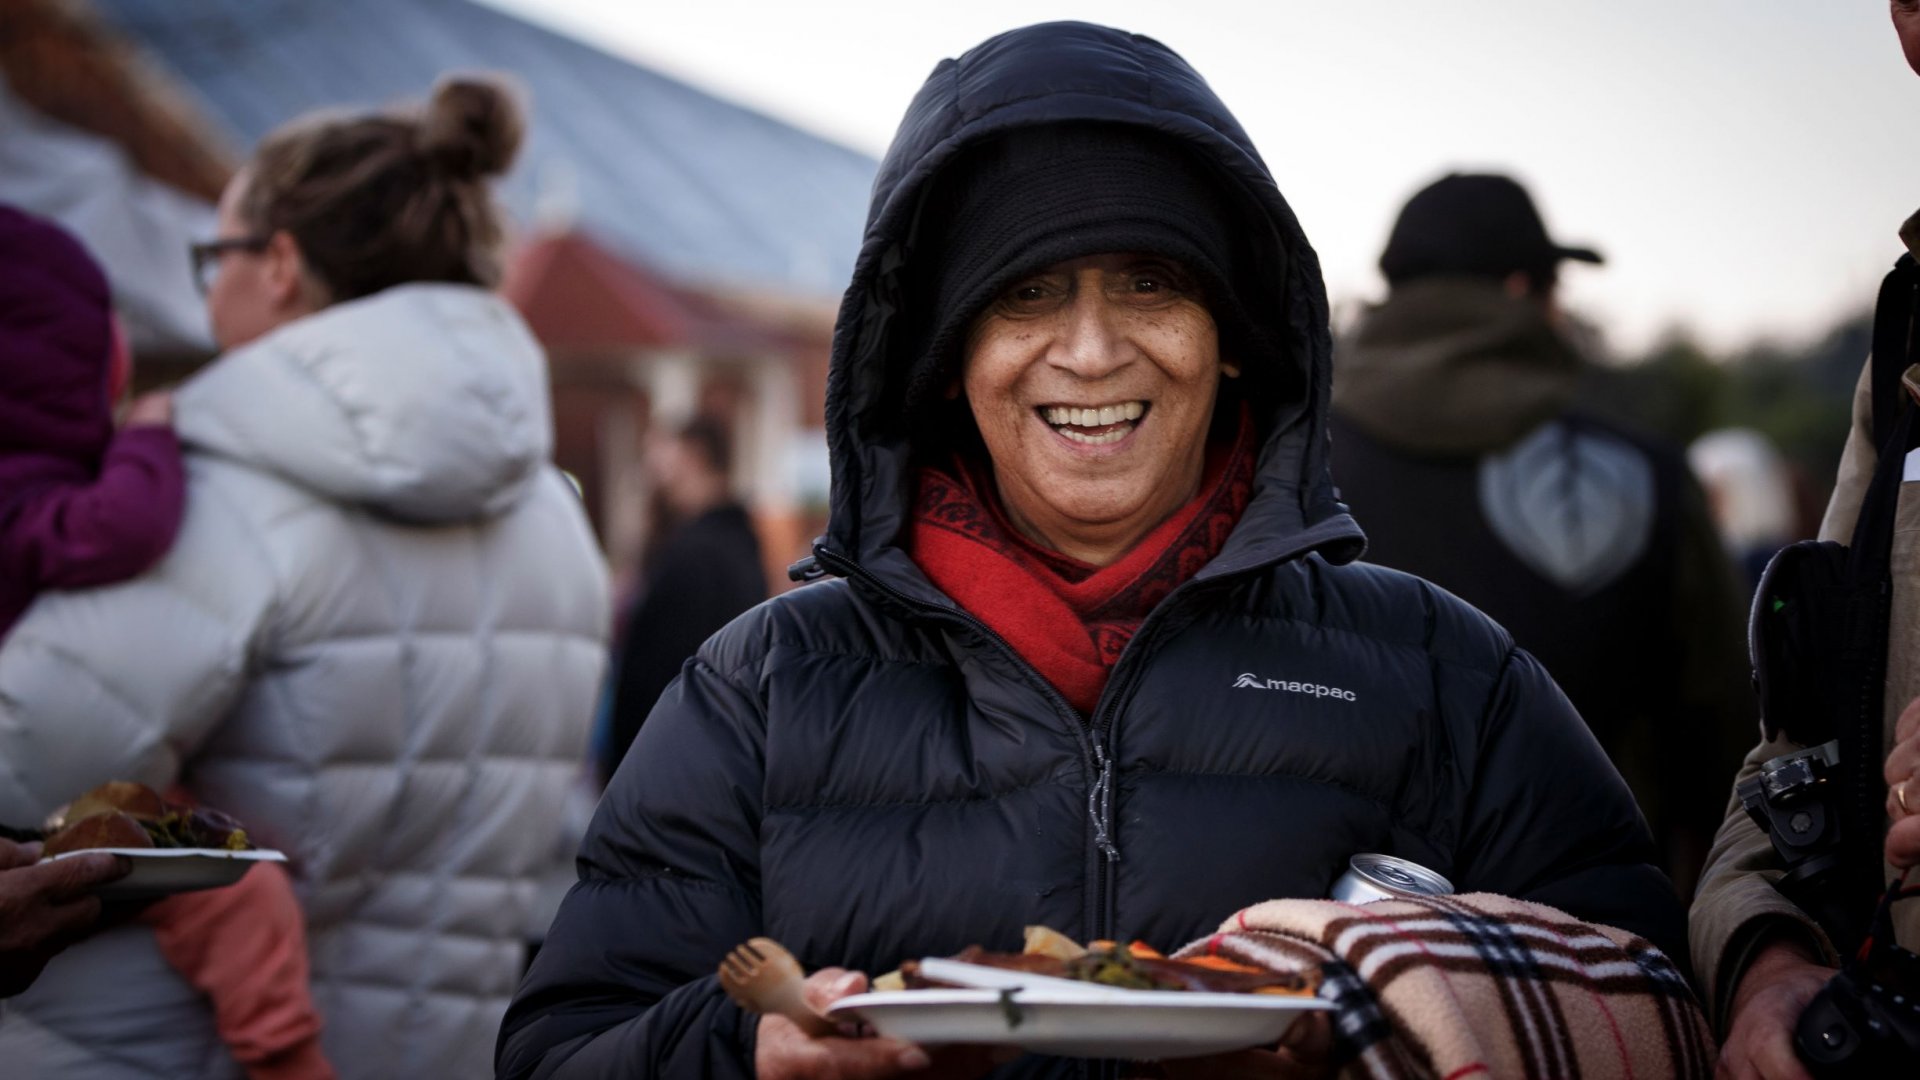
1479,224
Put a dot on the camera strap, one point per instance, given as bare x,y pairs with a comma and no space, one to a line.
1896,343
1882,937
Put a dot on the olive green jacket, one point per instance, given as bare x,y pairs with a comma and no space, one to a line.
1737,904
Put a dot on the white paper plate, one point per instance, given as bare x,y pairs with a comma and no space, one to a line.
1139,1024
165,871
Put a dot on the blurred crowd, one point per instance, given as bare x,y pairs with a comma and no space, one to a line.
334,586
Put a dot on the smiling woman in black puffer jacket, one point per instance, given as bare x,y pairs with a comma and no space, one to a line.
1097,655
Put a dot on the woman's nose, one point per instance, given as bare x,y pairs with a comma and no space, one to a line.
1091,343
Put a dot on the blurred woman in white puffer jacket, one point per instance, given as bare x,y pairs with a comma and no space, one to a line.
378,636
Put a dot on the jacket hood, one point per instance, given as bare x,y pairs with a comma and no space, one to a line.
424,403
1454,367
56,335
1050,74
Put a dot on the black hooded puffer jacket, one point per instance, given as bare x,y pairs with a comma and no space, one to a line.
867,774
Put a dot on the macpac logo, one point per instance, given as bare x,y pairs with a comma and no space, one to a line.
1250,681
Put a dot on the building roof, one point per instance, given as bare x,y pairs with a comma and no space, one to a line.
578,298
60,65
666,174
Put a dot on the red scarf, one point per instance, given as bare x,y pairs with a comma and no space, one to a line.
1069,619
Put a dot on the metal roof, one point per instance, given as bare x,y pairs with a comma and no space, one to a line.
664,173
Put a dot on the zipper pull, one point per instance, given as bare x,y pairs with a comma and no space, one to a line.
1100,806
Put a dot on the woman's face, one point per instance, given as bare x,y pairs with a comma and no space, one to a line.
1093,384
253,290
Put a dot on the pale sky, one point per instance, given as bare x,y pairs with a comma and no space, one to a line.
1743,165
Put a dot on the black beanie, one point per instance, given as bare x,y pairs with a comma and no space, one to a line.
1038,196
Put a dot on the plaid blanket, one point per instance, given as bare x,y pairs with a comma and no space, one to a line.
1479,986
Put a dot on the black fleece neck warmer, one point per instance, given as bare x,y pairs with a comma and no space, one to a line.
1035,197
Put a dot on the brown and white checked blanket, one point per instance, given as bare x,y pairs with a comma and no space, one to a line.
1479,986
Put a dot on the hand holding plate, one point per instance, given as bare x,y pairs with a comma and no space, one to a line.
44,907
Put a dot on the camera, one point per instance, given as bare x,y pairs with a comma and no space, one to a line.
1866,1021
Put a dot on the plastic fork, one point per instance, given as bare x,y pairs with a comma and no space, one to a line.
761,976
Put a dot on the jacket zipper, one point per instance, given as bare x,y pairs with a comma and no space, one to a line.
1092,733
1092,754
1121,688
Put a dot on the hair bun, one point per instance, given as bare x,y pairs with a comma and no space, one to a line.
473,125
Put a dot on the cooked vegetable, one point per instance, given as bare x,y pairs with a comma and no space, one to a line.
1046,941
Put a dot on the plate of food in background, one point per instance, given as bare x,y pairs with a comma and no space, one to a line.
173,846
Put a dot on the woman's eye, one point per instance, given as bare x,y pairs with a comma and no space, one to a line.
1153,284
1028,296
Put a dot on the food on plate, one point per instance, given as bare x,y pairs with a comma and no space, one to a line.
1134,966
1046,941
103,830
125,796
123,814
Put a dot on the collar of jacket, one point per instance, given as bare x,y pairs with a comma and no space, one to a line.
1910,235
1454,367
1049,74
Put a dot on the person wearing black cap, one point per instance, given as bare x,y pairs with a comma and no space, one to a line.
1461,447
1096,654
1477,225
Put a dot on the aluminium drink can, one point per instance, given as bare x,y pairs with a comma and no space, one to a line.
1383,877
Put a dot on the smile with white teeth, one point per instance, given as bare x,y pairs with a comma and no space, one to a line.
1095,426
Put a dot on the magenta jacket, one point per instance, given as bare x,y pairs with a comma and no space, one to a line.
79,504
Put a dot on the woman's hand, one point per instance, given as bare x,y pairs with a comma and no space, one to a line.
1903,790
44,907
154,409
1772,995
787,1053
1302,1055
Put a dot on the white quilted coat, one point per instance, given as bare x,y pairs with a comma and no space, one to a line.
377,642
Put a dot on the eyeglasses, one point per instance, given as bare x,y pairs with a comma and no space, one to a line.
206,256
